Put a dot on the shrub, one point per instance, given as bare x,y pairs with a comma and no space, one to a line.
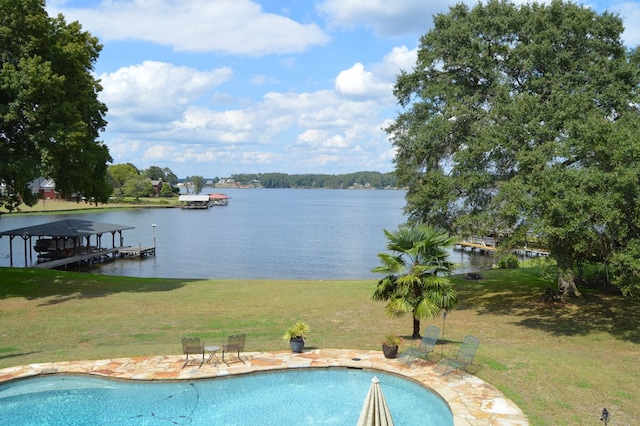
392,340
509,261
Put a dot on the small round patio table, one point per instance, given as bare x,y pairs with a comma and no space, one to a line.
212,353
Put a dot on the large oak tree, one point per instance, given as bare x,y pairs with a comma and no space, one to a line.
524,120
50,115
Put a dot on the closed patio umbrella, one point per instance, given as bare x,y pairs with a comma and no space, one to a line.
375,411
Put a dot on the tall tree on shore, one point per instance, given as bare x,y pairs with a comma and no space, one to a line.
526,119
416,274
50,115
164,174
198,183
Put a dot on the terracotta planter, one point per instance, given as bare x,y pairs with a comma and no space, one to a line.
390,351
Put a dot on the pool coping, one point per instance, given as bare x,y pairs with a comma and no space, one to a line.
473,402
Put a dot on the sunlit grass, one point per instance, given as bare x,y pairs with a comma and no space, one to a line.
561,363
57,206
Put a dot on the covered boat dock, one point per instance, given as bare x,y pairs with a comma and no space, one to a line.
197,202
67,241
218,199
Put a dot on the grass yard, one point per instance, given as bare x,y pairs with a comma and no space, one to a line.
561,363
58,206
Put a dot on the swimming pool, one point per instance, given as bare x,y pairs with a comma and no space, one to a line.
327,396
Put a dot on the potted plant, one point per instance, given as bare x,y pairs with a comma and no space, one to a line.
296,336
390,346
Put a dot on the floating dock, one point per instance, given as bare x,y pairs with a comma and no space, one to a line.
482,246
139,251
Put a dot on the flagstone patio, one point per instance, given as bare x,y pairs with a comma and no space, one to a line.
472,401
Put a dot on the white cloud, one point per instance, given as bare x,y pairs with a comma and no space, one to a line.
356,82
630,13
154,92
359,83
159,152
200,124
305,132
316,139
385,17
228,26
314,129
174,100
400,58
123,148
260,158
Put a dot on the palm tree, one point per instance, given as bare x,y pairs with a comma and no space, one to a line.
416,274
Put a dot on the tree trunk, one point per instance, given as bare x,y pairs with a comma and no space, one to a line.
567,283
416,329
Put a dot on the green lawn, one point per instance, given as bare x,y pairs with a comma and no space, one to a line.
58,206
561,363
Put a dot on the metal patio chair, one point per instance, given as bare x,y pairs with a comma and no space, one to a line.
462,359
426,346
192,346
235,344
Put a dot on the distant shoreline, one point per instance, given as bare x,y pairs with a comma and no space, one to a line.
62,206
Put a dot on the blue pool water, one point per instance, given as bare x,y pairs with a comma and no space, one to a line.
331,396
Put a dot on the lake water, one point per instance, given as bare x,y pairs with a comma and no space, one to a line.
262,233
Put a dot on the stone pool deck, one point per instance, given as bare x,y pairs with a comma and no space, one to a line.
472,401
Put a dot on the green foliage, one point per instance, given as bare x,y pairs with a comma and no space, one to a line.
127,181
546,267
50,115
154,173
120,173
300,330
158,173
198,183
283,180
523,119
166,190
625,267
509,261
392,340
137,187
416,274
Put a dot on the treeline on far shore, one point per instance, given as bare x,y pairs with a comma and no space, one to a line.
358,180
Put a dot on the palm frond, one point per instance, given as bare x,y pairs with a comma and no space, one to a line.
398,306
426,308
416,272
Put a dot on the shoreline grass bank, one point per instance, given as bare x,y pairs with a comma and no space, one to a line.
63,206
561,363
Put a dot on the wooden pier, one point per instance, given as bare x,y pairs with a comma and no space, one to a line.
94,256
481,247
139,251
98,256
488,246
68,242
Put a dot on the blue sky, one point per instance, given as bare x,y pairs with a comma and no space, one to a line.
218,87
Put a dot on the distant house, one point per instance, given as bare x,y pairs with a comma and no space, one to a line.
226,183
45,188
157,187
